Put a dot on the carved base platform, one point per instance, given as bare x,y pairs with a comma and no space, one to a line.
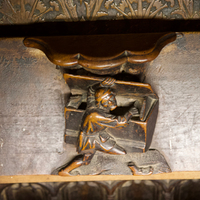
151,162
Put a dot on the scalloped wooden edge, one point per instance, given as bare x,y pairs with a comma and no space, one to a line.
100,65
55,178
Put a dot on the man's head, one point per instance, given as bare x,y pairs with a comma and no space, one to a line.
106,98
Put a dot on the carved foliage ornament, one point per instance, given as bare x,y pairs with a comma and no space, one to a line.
110,122
16,11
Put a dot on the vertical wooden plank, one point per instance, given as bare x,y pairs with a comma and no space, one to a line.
33,94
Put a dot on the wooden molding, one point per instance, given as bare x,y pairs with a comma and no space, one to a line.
54,178
102,54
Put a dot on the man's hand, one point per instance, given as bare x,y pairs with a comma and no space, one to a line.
108,82
134,112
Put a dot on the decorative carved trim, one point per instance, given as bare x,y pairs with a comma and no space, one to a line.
112,190
102,54
27,11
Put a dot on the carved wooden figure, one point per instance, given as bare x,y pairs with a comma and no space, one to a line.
119,118
111,122
96,119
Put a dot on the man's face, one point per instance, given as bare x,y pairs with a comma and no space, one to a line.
109,102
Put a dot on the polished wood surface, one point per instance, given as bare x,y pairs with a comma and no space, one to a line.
102,54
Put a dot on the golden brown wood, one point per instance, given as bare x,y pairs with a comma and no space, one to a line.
54,178
126,93
109,54
92,134
105,127
102,54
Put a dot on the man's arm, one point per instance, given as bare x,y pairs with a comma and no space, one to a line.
112,121
107,82
133,112
123,120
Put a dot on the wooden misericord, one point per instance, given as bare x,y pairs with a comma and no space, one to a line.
110,117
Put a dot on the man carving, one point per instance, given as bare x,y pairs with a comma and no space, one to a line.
92,136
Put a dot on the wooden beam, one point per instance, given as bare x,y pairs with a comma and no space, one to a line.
54,178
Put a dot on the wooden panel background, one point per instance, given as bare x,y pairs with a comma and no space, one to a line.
33,94
31,110
174,75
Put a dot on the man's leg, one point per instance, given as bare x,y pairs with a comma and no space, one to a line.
78,161
109,146
117,150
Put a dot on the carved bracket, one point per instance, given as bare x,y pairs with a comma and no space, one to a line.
102,54
111,122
